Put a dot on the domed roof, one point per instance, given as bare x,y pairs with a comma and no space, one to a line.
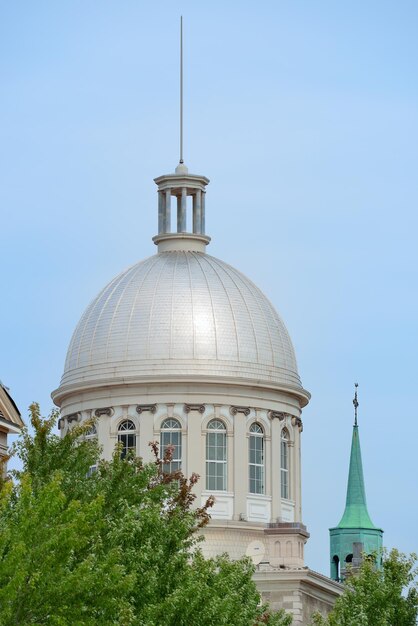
180,315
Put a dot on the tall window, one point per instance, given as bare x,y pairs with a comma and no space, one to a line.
216,456
127,437
256,459
171,436
91,432
335,568
284,464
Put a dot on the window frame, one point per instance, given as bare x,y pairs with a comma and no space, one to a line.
256,467
128,438
170,432
91,433
217,442
285,492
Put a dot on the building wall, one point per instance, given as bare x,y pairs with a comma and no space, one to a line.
3,443
264,526
3,439
194,412
300,592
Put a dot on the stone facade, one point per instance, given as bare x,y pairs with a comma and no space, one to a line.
235,503
300,592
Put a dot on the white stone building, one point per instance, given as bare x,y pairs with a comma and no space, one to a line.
10,422
184,349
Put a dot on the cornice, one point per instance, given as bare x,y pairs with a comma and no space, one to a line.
62,393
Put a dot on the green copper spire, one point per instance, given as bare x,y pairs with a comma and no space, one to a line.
355,534
355,514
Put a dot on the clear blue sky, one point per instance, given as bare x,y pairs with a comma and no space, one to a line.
304,116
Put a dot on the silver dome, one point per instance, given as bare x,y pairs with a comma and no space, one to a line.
180,315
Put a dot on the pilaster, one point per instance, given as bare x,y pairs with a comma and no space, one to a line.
240,468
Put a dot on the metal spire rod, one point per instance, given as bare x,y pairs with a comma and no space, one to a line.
181,89
355,402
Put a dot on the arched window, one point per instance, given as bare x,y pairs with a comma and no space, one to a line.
127,437
91,432
216,458
335,568
171,436
89,435
256,459
284,465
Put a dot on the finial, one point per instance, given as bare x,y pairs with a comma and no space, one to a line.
355,402
181,89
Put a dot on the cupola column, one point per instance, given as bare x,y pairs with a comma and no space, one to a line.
167,225
202,221
182,211
197,212
161,213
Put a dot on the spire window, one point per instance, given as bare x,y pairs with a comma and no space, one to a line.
335,568
127,437
256,459
284,465
170,437
216,456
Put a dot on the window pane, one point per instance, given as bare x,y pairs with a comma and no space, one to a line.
171,438
284,464
256,460
127,425
285,484
128,441
216,456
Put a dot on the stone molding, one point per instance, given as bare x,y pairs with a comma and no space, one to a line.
287,528
108,410
74,417
194,407
296,421
140,408
240,409
277,415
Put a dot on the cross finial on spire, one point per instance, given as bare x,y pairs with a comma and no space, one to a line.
355,402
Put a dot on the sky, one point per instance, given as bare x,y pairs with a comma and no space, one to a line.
304,115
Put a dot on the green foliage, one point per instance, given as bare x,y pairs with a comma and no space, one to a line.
116,546
378,597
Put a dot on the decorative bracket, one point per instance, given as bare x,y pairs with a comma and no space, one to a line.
140,408
277,415
194,407
296,421
104,411
240,409
73,417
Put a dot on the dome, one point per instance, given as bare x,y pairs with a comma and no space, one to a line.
180,315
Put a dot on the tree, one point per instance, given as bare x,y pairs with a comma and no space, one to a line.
378,597
116,546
